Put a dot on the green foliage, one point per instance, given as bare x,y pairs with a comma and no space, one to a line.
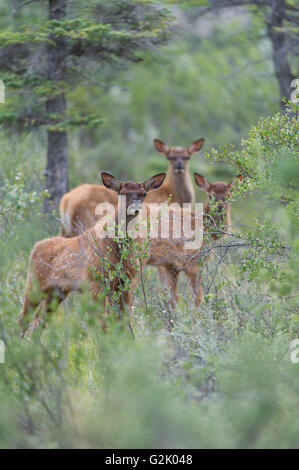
98,33
269,160
215,86
22,193
78,387
16,201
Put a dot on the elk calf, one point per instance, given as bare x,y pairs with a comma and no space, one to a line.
178,185
174,258
77,208
59,265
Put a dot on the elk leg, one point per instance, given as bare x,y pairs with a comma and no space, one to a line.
28,305
195,282
125,300
171,280
95,289
39,313
163,274
44,308
121,303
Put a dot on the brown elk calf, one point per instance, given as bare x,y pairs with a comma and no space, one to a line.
59,265
175,258
78,207
178,185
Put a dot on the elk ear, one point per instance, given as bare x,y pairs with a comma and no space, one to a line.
196,146
154,182
110,181
237,179
161,147
202,182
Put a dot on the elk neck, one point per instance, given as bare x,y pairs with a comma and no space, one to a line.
180,185
223,218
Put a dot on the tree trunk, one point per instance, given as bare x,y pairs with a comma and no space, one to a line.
57,158
280,49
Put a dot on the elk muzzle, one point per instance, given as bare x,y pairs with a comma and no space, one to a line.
179,168
134,208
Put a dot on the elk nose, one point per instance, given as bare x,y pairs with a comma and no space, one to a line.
179,168
134,208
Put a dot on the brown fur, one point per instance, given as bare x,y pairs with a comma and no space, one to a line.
77,207
178,185
174,258
59,265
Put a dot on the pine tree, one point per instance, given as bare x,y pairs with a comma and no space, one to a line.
42,60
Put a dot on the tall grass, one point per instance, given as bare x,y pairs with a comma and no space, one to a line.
216,376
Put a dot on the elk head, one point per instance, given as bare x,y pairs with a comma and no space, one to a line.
219,191
135,192
178,157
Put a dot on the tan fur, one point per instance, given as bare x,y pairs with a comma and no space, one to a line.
58,265
77,207
174,258
176,188
178,185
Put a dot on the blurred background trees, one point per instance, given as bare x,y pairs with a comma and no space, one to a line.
65,43
216,76
280,24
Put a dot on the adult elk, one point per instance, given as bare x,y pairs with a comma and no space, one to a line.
78,207
60,265
174,258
